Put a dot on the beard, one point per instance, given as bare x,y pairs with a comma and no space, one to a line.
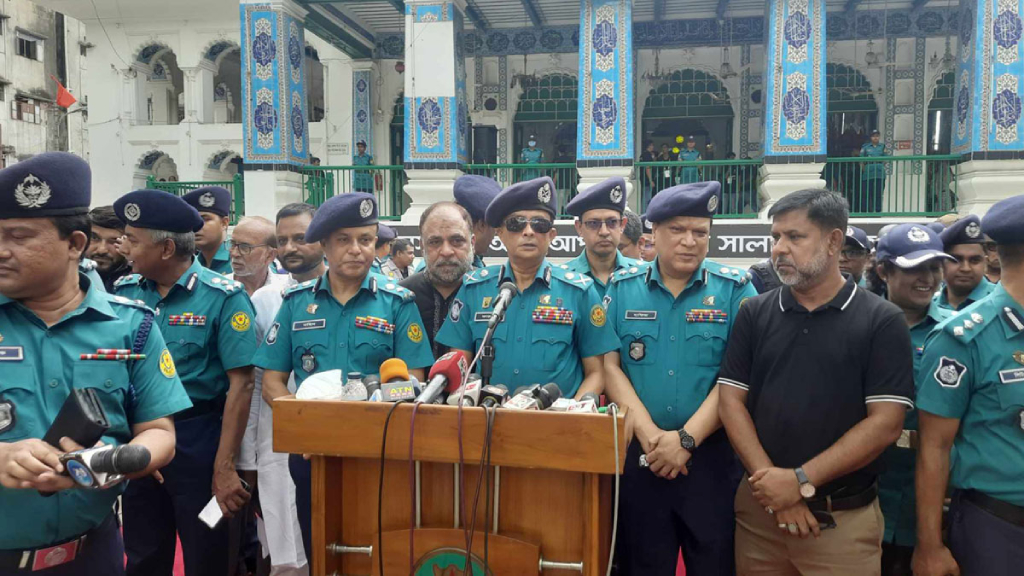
803,274
448,271
300,265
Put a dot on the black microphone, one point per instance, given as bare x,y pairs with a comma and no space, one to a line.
470,393
506,292
546,395
493,395
104,466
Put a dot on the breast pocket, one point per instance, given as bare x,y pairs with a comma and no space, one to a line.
372,347
186,345
310,349
109,379
638,341
705,342
551,344
1011,397
21,412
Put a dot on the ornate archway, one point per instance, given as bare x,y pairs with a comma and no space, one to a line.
940,115
690,102
852,109
547,111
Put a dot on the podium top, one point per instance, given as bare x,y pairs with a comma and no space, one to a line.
521,439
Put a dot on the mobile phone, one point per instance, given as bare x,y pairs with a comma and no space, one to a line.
211,514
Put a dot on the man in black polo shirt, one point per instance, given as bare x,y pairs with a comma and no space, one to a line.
817,376
446,232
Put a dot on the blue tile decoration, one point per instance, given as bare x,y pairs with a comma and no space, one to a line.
795,78
604,128
362,108
273,86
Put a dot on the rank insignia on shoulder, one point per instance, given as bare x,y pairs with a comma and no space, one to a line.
950,372
637,350
376,324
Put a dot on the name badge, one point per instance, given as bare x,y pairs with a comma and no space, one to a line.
641,314
309,325
1011,376
481,316
11,354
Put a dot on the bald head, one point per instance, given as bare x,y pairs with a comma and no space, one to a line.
253,247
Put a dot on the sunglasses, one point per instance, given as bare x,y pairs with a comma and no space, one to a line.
595,225
518,224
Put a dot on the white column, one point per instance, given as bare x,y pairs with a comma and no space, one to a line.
134,83
982,183
199,92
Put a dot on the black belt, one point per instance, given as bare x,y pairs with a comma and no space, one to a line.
833,503
55,554
202,408
1003,510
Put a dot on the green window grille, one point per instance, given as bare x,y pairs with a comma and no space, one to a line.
942,96
848,90
688,94
553,98
398,112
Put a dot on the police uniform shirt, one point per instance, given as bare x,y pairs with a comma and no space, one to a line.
582,265
973,370
983,289
548,328
433,308
671,348
896,493
221,263
40,365
207,322
88,267
313,332
873,170
811,374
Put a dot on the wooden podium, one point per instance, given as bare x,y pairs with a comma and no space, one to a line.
550,484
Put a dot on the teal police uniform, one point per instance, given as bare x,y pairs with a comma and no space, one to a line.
88,267
867,197
362,180
873,170
217,201
581,265
532,156
609,194
983,289
548,329
221,262
966,230
689,174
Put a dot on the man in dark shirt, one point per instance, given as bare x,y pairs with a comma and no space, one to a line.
817,375
446,233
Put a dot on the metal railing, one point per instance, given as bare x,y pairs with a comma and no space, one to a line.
387,183
895,185
236,186
564,175
739,180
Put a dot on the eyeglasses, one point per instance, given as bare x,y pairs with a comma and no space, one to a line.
595,225
244,249
518,224
854,254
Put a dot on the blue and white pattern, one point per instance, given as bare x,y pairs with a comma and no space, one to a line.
362,98
605,106
265,118
263,49
295,52
298,123
1006,109
794,109
796,106
797,31
1006,31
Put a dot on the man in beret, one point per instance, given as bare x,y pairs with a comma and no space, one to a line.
671,319
971,398
382,247
107,230
207,320
993,269
910,262
556,332
475,193
214,206
965,281
50,317
629,243
855,254
647,249
348,318
599,222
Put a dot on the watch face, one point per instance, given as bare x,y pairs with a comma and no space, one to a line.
807,490
686,441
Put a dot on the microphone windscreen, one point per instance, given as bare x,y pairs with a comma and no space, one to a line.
394,369
520,390
510,286
125,459
453,367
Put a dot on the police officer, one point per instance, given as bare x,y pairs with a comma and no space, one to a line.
965,281
872,177
599,222
855,254
672,318
50,315
531,155
554,329
385,236
207,320
689,174
475,193
971,398
647,249
214,206
349,319
910,262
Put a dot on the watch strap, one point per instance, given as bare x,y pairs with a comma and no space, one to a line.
686,441
801,476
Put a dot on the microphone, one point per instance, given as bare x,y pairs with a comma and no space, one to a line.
104,466
394,369
535,397
373,393
446,375
587,404
470,393
547,395
493,395
506,292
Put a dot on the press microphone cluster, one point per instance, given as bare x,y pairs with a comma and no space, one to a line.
104,466
535,397
446,375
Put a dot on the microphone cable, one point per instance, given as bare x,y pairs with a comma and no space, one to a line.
484,450
412,490
380,490
491,412
613,409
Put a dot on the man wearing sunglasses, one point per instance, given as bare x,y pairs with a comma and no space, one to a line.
965,281
672,318
855,254
554,329
599,221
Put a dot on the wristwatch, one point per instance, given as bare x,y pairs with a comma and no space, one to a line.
806,488
686,441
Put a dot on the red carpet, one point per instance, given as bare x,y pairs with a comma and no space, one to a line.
179,564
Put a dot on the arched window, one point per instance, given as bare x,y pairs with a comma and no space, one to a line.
852,110
940,114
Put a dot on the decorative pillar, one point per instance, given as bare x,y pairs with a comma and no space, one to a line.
275,139
795,97
987,125
134,102
362,104
436,115
604,128
199,92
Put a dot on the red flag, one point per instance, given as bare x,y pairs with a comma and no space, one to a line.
64,98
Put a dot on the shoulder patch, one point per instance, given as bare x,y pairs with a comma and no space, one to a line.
128,280
292,290
736,275
128,302
404,293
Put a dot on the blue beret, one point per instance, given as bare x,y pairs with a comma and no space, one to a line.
966,230
48,184
536,194
157,210
858,237
646,223
909,245
475,193
697,199
936,227
609,194
385,232
1002,222
213,199
349,210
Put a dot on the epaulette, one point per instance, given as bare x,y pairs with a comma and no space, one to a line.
86,264
483,274
631,272
577,279
129,280
404,293
966,324
737,275
128,302
221,282
292,290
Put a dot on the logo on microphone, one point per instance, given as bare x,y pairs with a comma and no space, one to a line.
414,333
79,473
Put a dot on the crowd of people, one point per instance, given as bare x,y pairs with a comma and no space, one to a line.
847,407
